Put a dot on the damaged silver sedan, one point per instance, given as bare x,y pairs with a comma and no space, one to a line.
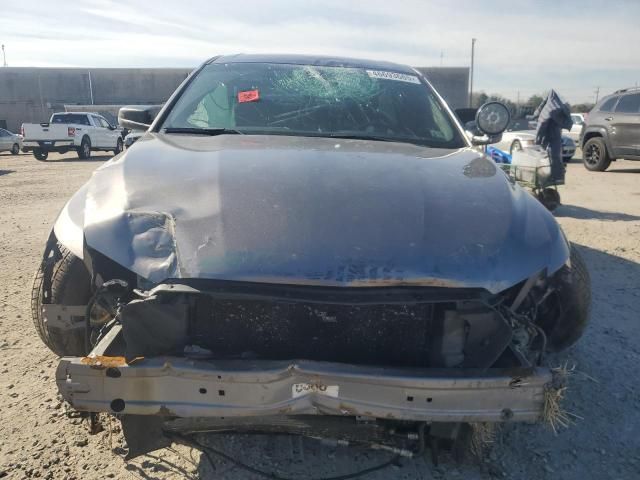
309,246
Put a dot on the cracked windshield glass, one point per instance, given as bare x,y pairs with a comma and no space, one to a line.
304,100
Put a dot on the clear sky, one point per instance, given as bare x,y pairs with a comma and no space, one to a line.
573,46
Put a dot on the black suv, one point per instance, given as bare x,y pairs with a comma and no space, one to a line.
612,130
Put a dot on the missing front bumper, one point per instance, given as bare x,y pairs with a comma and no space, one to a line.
182,387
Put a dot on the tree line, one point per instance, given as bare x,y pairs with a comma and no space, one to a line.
524,108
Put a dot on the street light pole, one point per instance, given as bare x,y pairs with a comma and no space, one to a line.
4,57
473,48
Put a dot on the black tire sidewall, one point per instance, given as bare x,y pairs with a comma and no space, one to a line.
83,147
70,285
40,155
576,308
15,149
604,161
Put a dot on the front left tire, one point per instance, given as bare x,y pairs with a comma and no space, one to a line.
66,282
15,149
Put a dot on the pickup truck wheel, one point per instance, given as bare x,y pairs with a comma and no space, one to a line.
575,305
70,285
40,154
119,147
84,152
595,156
15,149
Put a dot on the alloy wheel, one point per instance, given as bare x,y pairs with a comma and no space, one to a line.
593,154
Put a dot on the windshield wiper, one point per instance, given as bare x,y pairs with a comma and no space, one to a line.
203,131
356,136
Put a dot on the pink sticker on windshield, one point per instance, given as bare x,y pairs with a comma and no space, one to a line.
248,96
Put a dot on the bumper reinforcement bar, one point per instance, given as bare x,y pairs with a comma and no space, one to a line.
183,387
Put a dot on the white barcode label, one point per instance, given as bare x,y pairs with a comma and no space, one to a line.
301,389
398,77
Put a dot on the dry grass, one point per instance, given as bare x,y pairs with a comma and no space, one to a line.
554,414
482,438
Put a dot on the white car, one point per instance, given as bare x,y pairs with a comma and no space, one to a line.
576,128
11,142
80,131
517,140
132,137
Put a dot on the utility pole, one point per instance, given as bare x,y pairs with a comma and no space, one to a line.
473,49
597,94
4,57
441,57
90,88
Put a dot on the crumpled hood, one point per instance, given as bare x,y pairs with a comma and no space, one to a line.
316,211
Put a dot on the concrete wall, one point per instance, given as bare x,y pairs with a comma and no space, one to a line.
32,94
450,82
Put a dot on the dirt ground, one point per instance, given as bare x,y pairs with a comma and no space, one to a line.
601,214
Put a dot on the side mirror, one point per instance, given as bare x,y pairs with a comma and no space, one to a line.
138,117
491,121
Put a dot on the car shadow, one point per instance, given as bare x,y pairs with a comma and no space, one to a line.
582,213
624,170
93,158
147,465
6,172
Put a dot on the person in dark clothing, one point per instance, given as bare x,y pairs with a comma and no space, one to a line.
553,115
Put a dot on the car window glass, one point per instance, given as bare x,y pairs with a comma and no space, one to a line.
3,133
310,100
103,122
608,105
75,118
629,104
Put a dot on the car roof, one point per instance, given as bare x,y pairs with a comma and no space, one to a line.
317,60
77,113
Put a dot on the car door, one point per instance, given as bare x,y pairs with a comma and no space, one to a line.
4,140
625,125
111,134
99,136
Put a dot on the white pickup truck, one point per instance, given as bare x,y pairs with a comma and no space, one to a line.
79,131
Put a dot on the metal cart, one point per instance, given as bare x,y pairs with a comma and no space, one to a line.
538,180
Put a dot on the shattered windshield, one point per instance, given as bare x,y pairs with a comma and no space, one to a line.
308,100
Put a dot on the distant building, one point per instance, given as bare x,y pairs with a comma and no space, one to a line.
31,95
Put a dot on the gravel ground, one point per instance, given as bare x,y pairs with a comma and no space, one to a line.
601,213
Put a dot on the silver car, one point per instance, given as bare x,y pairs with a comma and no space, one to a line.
517,140
11,142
